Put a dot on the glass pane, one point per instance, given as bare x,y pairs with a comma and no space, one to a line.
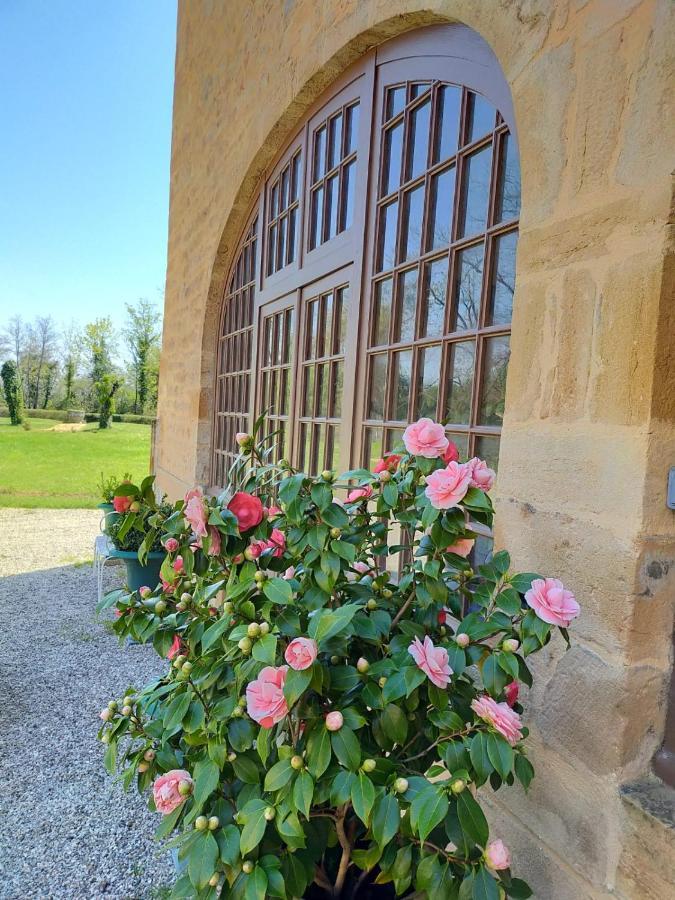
411,226
428,380
395,102
440,209
332,186
382,312
267,356
481,117
341,312
476,191
320,449
288,335
330,446
393,437
468,282
406,306
319,154
274,405
285,182
295,176
462,441
503,279
271,250
348,190
322,385
482,550
351,129
281,441
281,249
327,324
372,446
401,380
493,388
292,217
284,392
419,88
274,201
418,140
378,380
391,162
435,292
316,226
312,328
335,141
308,392
337,380
305,438
508,191
487,448
460,378
447,133
387,237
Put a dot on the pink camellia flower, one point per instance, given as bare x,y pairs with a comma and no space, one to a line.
167,587
552,602
121,504
447,487
497,856
482,476
425,438
334,720
265,701
451,454
433,661
242,438
387,464
178,564
166,790
462,547
273,511
289,573
277,542
247,509
171,545
174,650
301,653
511,692
216,541
145,591
360,493
196,512
500,715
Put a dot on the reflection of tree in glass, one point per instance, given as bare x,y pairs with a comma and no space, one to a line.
469,284
494,381
461,383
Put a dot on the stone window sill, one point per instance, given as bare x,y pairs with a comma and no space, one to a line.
653,798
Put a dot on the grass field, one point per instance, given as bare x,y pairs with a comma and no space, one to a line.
60,470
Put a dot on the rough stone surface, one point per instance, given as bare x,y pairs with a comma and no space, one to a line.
67,831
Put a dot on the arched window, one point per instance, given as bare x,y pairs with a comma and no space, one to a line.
388,229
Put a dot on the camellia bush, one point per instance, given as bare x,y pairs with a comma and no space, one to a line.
343,684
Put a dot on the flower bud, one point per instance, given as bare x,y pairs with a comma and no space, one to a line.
401,785
362,665
160,607
180,606
369,765
249,554
105,738
185,788
186,668
143,767
214,822
264,628
237,712
270,813
149,755
127,710
284,463
259,577
245,645
214,879
334,720
179,660
201,823
384,476
335,532
228,606
242,702
297,762
458,785
238,559
186,598
462,640
128,700
387,594
371,604
112,706
253,630
247,867
510,645
145,591
135,507
382,681
171,545
243,439
334,660
231,756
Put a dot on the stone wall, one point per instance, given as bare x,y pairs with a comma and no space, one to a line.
590,420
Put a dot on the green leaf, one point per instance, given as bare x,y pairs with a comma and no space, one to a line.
429,873
519,889
213,632
484,886
279,775
508,600
523,581
295,685
318,751
472,819
254,827
246,770
494,677
291,830
363,797
278,590
329,622
168,823
414,677
335,516
290,488
263,744
174,712
275,884
346,747
509,663
194,718
524,770
206,777
303,791
228,844
265,649
480,757
500,753
202,859
386,819
428,810
394,723
390,493
256,884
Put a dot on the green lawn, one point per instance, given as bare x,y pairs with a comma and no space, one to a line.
45,468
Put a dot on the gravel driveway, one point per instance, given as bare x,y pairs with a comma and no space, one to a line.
66,829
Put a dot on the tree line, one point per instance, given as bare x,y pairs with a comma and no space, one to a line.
82,367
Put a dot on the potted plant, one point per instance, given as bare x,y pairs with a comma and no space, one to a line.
106,486
327,728
135,529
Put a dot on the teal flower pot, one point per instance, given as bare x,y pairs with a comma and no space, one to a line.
139,575
109,516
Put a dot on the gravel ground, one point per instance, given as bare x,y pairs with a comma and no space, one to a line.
66,829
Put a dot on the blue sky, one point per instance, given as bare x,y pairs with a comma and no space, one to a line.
86,89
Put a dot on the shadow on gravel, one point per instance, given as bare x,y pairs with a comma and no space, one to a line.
67,830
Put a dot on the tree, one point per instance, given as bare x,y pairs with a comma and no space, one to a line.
106,389
71,348
38,356
11,381
142,334
100,342
14,338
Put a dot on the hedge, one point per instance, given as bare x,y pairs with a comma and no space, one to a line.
60,415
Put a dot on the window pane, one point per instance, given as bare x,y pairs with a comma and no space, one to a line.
419,88
392,438
305,435
476,190
503,279
460,382
322,385
348,190
440,209
284,392
292,217
332,206
468,282
326,331
406,306
382,312
316,226
418,140
335,141
508,190
372,446
481,117
336,388
312,328
319,154
285,183
295,176
391,163
395,102
493,387
411,226
428,380
281,250
341,312
308,392
447,134
462,442
435,291
387,237
487,448
401,379
378,380
274,201
351,129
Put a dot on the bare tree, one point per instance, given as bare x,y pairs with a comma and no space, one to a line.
14,338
